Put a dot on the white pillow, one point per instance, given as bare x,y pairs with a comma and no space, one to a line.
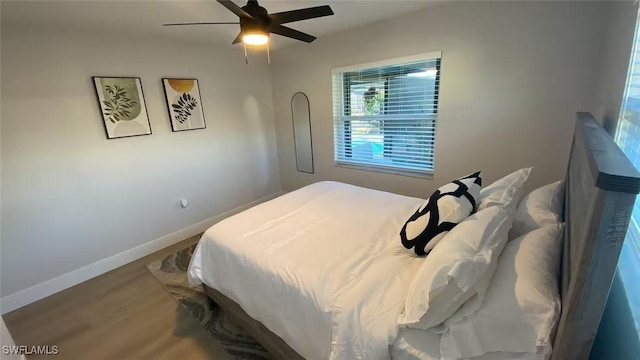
458,268
504,192
444,209
521,306
541,207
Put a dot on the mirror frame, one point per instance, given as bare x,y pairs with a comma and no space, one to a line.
295,145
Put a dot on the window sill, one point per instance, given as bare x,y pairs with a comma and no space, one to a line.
387,170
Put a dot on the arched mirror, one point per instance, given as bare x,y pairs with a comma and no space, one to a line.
302,132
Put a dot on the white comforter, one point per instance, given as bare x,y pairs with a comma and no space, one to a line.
321,267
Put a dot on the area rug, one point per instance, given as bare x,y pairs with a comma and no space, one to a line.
171,272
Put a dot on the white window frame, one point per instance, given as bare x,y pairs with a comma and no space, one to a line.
339,136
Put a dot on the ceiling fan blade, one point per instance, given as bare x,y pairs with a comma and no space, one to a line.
235,9
203,23
238,39
291,33
301,14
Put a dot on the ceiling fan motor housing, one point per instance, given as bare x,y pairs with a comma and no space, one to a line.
259,23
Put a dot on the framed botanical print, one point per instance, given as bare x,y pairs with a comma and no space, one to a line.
124,111
184,104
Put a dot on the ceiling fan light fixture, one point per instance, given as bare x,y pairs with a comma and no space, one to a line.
255,38
257,24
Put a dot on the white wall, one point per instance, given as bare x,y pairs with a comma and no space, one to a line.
513,74
71,198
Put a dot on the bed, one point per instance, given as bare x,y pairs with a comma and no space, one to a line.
316,273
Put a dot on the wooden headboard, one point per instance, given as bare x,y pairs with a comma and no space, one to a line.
601,187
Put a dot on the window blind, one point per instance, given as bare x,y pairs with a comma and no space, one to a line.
385,114
628,138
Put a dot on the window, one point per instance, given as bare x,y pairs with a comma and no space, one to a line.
385,114
628,138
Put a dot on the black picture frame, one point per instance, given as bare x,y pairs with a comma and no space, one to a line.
176,127
101,106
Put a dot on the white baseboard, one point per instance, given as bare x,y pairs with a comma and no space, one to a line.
65,281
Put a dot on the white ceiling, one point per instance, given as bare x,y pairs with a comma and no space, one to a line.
144,17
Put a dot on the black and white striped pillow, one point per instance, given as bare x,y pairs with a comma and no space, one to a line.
444,209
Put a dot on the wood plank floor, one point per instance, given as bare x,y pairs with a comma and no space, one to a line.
123,314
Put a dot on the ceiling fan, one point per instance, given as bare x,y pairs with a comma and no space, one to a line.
256,24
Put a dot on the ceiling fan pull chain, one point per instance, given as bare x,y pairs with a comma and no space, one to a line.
268,55
246,60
